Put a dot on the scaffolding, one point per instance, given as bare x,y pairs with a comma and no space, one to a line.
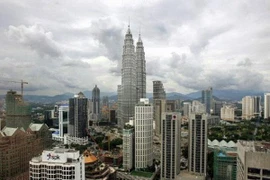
225,164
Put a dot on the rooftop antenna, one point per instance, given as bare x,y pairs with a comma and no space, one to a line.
129,21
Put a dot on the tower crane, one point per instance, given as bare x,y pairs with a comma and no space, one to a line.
22,83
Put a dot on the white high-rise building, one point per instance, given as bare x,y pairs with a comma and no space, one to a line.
170,145
186,108
227,113
251,107
197,144
143,134
198,107
128,148
266,105
247,107
63,117
58,164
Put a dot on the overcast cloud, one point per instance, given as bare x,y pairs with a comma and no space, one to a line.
69,46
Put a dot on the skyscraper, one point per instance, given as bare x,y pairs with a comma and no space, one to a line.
18,113
266,105
128,87
159,108
140,70
128,148
207,99
197,144
96,101
170,145
143,134
158,90
78,116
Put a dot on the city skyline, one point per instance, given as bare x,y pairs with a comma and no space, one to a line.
192,46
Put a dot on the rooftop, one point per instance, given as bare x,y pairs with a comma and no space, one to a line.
255,146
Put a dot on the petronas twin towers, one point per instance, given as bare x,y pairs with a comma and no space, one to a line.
133,85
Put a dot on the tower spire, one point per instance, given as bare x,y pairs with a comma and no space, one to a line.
128,31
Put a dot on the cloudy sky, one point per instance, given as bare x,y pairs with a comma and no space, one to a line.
63,46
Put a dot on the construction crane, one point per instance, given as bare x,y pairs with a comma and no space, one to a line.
100,150
22,83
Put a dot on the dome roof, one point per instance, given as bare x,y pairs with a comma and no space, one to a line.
88,157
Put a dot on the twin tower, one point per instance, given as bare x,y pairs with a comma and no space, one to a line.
133,84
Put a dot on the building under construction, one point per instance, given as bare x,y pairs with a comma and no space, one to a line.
225,164
18,112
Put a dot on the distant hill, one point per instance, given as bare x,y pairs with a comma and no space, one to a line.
231,95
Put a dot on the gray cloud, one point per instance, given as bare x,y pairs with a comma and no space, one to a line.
68,47
36,38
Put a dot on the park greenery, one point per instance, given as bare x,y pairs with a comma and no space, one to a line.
245,130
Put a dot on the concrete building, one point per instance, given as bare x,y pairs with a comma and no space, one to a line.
170,145
143,134
96,101
159,108
78,116
227,113
197,107
266,105
253,160
58,164
217,105
128,148
170,105
140,70
18,146
186,109
158,90
63,117
207,99
197,144
251,107
18,112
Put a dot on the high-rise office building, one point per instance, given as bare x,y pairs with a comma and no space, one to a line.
140,70
158,90
198,144
159,108
78,116
58,164
63,117
266,105
251,107
128,148
143,134
128,92
18,112
170,145
207,99
96,101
